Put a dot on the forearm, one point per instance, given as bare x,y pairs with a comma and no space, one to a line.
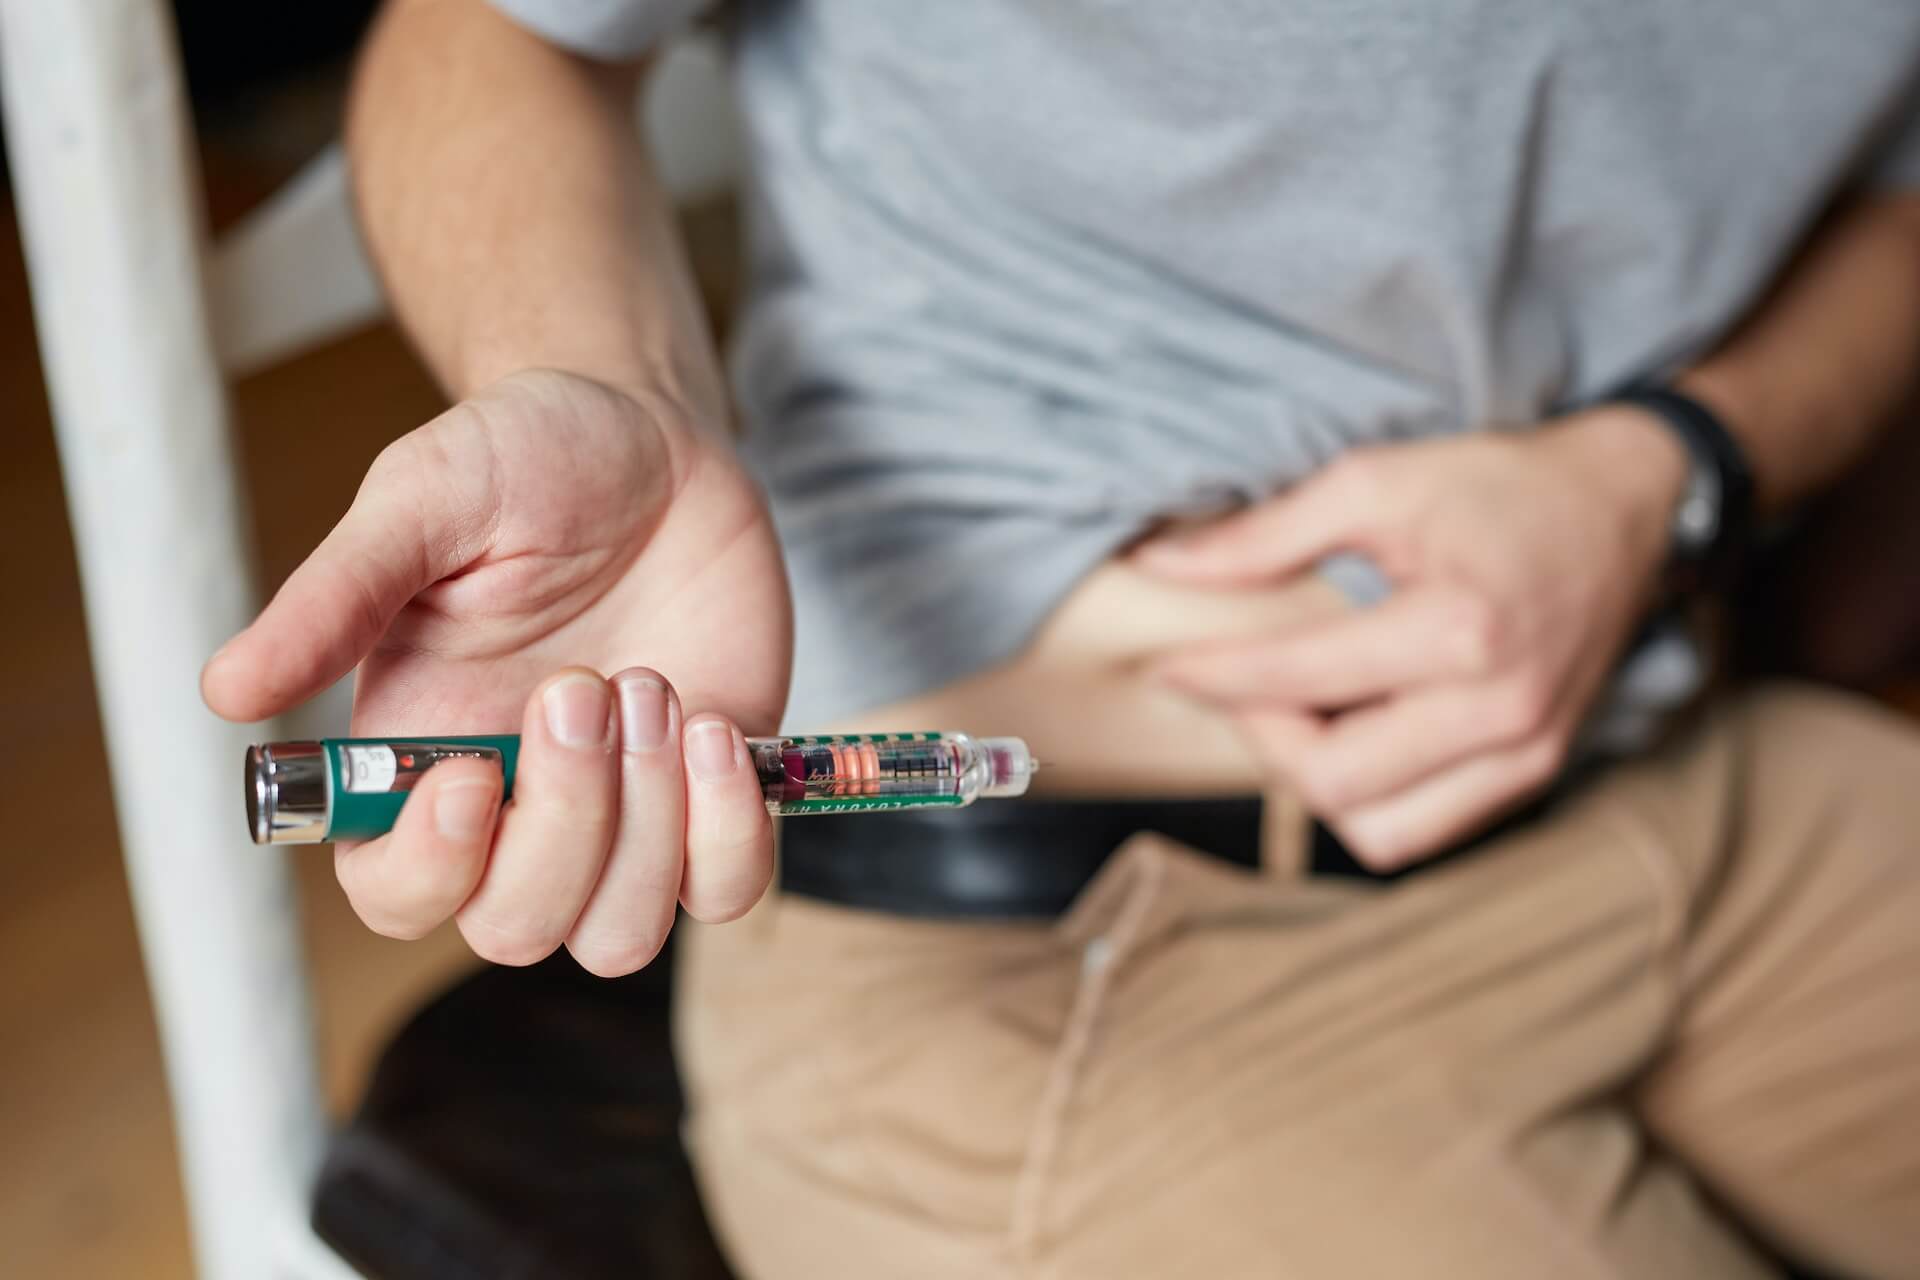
510,208
1821,367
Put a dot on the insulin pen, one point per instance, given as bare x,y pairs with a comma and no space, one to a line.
352,788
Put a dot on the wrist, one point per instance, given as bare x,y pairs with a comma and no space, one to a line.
1628,458
688,379
658,391
670,388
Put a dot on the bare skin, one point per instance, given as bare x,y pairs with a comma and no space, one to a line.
1084,696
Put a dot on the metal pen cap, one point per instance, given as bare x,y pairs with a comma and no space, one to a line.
289,795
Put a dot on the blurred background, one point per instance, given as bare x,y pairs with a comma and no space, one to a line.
89,1185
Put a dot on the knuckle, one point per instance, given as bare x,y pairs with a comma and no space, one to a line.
393,925
393,465
569,820
1375,845
719,908
1521,708
346,871
1542,759
723,904
1327,788
515,945
514,952
381,911
1475,633
615,957
724,882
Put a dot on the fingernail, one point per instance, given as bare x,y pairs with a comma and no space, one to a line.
710,750
461,810
643,713
577,711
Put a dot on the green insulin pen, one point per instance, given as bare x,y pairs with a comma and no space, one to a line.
352,788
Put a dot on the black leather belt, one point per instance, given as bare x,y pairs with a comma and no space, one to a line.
1018,859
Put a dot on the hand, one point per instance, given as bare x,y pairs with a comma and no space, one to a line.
1520,564
494,565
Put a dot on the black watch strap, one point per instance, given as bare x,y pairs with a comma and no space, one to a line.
1712,530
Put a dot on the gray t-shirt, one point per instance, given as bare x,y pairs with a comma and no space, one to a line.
1030,274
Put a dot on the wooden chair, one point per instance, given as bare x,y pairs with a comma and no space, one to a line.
140,323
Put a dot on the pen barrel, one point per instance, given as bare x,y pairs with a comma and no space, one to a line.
354,788
370,778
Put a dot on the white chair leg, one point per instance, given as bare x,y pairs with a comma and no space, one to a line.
96,128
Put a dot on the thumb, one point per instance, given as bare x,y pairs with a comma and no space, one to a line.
402,534
1327,512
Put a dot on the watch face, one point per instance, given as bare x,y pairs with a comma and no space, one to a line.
1698,518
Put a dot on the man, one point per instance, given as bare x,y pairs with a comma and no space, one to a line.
1310,400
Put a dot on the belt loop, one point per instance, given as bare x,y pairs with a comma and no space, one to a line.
1285,834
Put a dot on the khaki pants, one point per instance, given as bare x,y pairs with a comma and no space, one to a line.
1680,1016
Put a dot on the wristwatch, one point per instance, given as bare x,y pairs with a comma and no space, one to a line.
1713,524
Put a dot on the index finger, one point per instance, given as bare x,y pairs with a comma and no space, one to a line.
398,537
1329,511
1407,639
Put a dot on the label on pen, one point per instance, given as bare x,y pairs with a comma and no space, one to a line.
378,768
369,768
